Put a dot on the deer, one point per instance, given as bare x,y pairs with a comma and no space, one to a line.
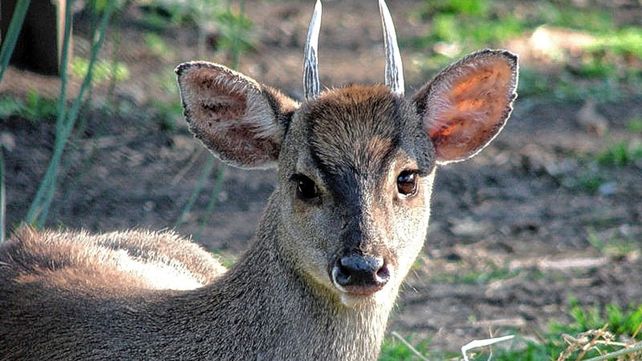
349,215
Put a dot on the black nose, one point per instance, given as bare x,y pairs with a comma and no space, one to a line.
362,274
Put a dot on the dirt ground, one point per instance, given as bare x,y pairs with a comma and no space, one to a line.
513,235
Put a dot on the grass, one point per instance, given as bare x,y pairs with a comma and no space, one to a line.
614,248
167,112
397,349
103,70
33,107
39,208
594,176
620,154
606,70
635,125
592,331
235,30
3,200
157,45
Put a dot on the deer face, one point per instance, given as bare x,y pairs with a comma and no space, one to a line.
356,164
355,178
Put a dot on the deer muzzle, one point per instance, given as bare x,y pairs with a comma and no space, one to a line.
360,275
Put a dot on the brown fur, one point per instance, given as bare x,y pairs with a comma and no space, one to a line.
140,295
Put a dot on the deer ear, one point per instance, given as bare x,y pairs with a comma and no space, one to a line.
468,103
241,121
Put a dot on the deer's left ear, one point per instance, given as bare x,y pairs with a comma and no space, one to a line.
468,103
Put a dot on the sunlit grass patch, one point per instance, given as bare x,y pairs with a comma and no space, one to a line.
573,51
592,332
103,70
408,349
589,182
626,41
614,248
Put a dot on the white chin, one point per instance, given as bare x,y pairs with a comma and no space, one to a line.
352,301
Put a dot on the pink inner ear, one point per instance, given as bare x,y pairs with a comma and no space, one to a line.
469,106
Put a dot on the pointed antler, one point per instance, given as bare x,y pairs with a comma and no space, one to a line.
394,68
311,84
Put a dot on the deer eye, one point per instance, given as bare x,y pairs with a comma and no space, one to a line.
407,183
305,187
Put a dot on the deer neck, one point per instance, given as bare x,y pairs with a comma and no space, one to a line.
282,315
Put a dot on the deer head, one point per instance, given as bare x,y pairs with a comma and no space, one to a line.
355,164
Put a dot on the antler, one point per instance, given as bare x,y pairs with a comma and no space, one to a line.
311,84
394,68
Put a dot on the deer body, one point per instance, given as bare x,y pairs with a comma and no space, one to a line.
136,322
347,220
261,304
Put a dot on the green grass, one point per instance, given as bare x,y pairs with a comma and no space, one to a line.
103,70
66,119
395,350
635,125
563,14
607,70
235,40
620,154
157,45
626,41
615,248
167,114
160,15
3,199
622,322
594,172
33,107
482,23
608,325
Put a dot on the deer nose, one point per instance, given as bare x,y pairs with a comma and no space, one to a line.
361,275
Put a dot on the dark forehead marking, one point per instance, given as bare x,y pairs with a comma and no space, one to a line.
354,129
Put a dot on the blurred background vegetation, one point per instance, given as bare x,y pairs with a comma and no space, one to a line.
121,56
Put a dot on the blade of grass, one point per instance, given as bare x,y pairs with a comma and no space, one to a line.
61,107
13,32
410,347
3,202
236,49
205,174
625,351
482,343
39,208
61,111
62,97
218,184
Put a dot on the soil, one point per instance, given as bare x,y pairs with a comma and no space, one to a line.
514,234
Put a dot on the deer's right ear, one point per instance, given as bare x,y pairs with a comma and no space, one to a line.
239,120
468,103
